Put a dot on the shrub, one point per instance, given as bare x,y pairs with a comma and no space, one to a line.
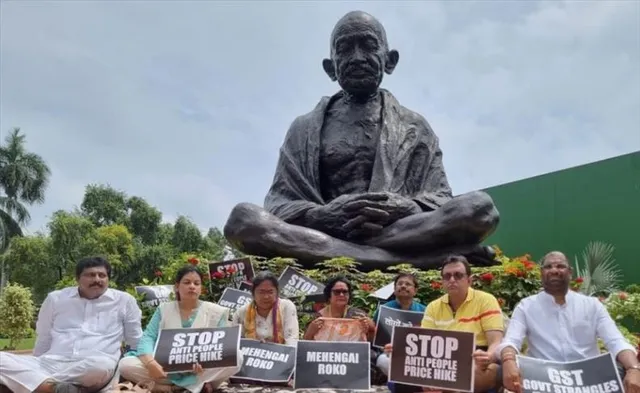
16,314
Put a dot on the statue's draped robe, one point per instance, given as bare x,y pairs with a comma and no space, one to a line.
408,162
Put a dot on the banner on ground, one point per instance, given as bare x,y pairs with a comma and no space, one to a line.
295,284
332,365
596,374
432,358
388,318
240,269
153,295
341,329
233,299
177,350
266,362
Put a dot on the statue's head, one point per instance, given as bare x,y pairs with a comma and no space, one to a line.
360,54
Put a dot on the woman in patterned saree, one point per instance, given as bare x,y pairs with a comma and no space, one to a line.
330,323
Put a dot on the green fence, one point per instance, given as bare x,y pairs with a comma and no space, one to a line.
566,210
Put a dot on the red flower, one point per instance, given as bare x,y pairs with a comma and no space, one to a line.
579,280
486,277
317,306
231,269
366,287
158,273
528,265
520,273
194,261
217,275
436,285
623,296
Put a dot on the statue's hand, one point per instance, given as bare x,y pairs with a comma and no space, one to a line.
334,219
374,211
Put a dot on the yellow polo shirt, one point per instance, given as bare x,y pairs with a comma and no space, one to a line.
480,312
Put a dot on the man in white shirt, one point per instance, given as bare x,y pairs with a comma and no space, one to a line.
562,325
79,336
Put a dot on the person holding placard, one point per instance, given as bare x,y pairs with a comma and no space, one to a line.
187,311
268,317
79,333
324,327
466,309
563,326
405,289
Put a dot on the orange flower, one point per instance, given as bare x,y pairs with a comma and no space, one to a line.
623,296
501,302
194,261
528,265
436,285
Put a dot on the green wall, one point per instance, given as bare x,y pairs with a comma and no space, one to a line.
567,209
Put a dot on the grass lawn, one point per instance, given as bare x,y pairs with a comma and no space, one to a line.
27,343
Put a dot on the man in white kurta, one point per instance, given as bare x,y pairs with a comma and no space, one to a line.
79,331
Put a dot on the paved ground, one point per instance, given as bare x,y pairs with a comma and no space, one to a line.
278,389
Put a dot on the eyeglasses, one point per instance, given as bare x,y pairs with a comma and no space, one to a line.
457,276
340,291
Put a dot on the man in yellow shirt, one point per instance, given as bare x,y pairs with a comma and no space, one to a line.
470,310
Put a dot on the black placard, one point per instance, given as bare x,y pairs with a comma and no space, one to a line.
266,362
233,299
332,365
388,318
241,267
596,374
433,358
295,284
153,295
177,350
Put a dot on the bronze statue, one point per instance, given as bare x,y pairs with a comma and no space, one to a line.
361,176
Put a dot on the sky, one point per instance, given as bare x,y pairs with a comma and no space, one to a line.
186,103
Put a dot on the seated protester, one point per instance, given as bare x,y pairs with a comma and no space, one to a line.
337,293
405,288
187,311
268,317
563,326
79,336
463,308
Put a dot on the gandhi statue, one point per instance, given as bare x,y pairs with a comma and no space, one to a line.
361,176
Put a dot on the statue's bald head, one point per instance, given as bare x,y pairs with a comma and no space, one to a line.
358,21
360,54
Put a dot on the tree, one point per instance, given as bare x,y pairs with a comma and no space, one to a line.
186,235
24,178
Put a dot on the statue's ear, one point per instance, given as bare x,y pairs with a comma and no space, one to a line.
327,64
392,61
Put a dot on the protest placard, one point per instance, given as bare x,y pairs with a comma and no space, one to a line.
597,374
433,358
153,295
233,299
388,318
245,286
241,269
340,329
293,284
177,350
332,365
266,362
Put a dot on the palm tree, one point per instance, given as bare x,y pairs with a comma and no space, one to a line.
24,177
599,270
